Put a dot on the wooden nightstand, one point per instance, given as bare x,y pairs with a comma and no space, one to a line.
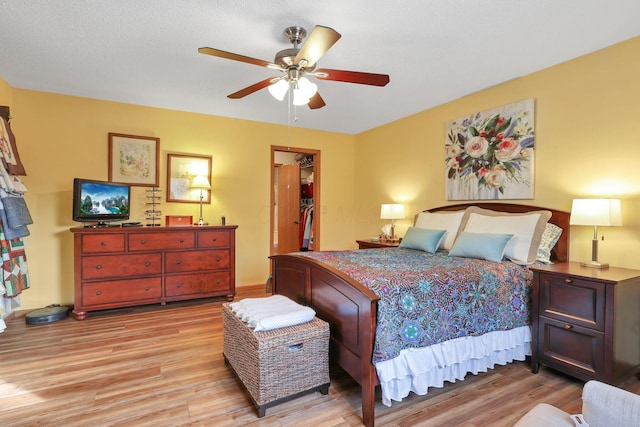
586,321
368,244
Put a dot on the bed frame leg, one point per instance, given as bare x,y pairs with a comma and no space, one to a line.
368,404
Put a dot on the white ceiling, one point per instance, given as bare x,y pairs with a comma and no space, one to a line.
145,51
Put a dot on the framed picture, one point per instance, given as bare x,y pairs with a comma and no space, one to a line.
186,176
489,154
134,159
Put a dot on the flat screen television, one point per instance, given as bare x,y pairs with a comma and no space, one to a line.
100,202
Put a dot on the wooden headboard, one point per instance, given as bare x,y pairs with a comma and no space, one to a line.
560,252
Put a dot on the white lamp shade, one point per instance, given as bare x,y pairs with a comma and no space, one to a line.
201,182
307,87
299,98
279,89
302,93
392,211
598,212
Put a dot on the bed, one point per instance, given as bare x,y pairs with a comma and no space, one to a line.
335,285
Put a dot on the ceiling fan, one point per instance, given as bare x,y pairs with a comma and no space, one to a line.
298,62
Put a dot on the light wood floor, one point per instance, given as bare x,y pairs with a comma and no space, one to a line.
163,366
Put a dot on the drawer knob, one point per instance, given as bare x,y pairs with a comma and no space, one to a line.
147,288
181,240
143,242
103,243
178,261
568,280
215,239
99,293
217,259
179,285
98,267
568,327
217,282
147,264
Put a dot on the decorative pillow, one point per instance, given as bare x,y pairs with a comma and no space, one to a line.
423,239
481,245
550,237
527,229
449,221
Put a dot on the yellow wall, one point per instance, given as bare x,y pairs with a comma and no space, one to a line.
62,137
587,114
5,93
587,145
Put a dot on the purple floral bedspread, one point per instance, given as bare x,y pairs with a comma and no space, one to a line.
431,298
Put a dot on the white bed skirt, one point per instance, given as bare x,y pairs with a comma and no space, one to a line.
417,369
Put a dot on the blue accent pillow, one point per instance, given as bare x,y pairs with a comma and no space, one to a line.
480,245
423,239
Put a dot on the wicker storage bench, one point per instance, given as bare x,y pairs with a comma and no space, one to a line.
277,365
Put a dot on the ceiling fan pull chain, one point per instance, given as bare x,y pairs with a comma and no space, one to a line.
289,120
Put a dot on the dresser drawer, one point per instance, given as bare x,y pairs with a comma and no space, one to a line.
121,291
107,266
162,241
199,283
576,301
214,239
102,243
574,349
177,262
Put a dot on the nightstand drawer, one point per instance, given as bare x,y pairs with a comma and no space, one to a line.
570,300
578,350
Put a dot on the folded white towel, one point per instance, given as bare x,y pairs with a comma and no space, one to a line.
277,311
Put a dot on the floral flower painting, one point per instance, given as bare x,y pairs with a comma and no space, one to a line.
489,155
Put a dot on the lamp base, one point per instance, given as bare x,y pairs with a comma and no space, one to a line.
202,222
594,264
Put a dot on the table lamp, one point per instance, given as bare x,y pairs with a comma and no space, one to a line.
392,212
202,183
595,212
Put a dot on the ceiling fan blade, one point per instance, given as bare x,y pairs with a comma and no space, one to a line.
316,101
253,88
228,55
352,77
317,44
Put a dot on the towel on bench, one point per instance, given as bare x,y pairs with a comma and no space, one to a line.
277,311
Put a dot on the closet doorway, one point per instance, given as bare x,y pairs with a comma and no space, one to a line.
295,194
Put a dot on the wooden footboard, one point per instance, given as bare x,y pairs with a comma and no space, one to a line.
350,309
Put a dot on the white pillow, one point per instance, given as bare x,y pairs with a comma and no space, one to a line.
549,239
449,221
527,229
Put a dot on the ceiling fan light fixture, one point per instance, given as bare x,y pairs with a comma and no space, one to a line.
279,89
299,98
307,87
294,63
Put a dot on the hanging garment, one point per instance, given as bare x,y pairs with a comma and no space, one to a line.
9,150
15,216
14,265
305,226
